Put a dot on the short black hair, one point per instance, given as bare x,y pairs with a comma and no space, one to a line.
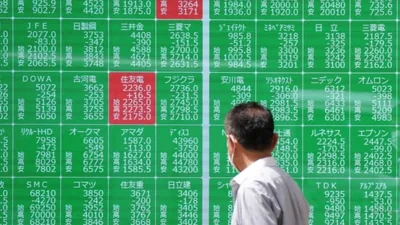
251,124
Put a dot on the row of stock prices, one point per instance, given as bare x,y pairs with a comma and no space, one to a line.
112,111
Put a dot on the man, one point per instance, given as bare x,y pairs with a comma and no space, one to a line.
263,193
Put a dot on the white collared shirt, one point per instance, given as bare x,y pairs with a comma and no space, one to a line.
263,194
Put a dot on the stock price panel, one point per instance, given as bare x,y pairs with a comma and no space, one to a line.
111,111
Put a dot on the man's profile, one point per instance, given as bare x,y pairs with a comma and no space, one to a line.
263,193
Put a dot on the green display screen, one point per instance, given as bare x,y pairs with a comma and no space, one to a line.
111,111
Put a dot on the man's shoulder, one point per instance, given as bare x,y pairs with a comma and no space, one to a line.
271,180
268,178
268,175
264,176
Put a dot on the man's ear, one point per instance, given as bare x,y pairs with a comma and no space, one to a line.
274,141
232,139
232,142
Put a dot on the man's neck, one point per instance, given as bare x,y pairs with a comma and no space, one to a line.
250,157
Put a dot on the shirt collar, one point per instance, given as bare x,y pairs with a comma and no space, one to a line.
253,168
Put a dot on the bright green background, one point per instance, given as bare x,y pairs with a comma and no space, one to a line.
376,160
227,90
133,9
323,90
5,45
6,147
279,10
283,41
87,196
389,41
182,96
6,91
241,9
221,204
242,41
175,141
371,10
31,141
332,160
327,10
30,31
6,9
133,151
282,94
28,8
328,193
181,54
316,36
92,108
82,38
380,90
85,9
6,195
31,87
43,189
89,147
138,195
175,200
141,45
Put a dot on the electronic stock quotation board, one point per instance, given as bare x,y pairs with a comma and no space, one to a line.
111,112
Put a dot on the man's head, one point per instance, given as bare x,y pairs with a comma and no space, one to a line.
250,133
